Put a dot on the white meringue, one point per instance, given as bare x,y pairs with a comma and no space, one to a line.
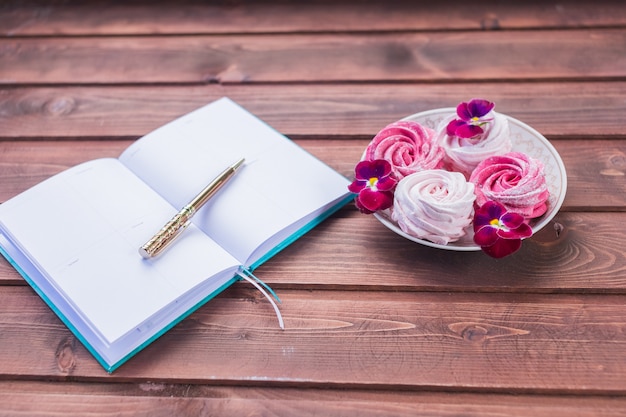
436,205
464,154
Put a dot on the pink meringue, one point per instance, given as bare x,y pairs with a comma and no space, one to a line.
408,146
464,154
436,205
514,180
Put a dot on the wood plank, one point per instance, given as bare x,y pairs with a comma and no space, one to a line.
580,247
558,110
155,399
355,252
531,343
188,17
376,325
595,169
434,56
26,163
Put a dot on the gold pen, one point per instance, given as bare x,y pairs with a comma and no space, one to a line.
181,220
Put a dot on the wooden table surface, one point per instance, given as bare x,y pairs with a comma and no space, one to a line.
376,325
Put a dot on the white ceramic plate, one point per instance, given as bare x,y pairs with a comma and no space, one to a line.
525,139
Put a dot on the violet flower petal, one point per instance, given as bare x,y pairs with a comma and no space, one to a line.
380,168
453,126
524,231
486,213
363,171
486,236
507,234
386,183
356,186
463,111
468,131
512,220
502,248
375,200
360,206
479,107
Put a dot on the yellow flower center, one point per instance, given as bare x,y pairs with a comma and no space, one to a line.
498,224
372,182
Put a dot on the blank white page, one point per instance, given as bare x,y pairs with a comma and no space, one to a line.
84,227
279,184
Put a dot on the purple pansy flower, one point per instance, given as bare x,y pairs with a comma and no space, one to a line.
472,118
374,185
498,232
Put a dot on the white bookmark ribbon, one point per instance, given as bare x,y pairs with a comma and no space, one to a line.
261,286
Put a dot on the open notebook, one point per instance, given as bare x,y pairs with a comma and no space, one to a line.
75,236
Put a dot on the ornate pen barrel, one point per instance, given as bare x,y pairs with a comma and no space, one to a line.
168,233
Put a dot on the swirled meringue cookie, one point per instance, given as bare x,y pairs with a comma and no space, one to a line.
408,146
514,180
464,154
436,205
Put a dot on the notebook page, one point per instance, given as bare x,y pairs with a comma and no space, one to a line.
278,185
84,227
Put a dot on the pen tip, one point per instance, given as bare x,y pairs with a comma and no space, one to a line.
238,163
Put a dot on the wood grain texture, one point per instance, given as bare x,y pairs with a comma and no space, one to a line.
434,56
595,169
376,325
155,399
530,343
583,256
188,17
586,245
558,110
158,399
